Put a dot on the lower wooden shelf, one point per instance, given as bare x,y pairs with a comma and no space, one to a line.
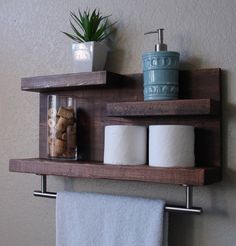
97,170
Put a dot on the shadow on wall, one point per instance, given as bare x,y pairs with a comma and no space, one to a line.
182,229
191,63
116,56
188,230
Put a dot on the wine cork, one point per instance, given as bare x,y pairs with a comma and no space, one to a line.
51,123
71,137
71,129
71,121
59,146
59,134
71,142
52,132
69,154
64,136
74,129
52,112
50,140
61,124
67,113
52,152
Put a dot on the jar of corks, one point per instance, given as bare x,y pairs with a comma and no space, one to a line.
61,127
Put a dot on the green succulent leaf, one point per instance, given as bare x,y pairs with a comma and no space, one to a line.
89,26
77,20
75,38
76,31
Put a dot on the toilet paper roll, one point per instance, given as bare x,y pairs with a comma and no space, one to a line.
171,146
125,145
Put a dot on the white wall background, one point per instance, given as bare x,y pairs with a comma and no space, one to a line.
204,32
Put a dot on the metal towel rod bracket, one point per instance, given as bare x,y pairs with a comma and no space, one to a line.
188,208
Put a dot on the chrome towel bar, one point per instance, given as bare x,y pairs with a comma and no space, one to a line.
169,208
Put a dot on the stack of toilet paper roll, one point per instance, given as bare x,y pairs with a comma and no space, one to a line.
169,145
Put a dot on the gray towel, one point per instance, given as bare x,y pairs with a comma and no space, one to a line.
88,219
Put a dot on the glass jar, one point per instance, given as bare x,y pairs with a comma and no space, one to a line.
61,127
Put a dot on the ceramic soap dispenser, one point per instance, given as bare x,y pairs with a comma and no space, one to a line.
160,71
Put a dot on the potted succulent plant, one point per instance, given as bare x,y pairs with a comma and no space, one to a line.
89,30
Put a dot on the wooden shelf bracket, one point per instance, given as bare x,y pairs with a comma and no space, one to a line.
188,208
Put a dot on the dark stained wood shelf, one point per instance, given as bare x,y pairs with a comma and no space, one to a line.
97,170
68,81
101,94
158,108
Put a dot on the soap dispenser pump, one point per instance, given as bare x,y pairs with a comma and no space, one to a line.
160,71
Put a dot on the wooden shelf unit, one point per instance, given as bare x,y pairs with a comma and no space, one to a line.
105,98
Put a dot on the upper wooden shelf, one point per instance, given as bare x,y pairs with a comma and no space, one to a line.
90,169
68,81
156,108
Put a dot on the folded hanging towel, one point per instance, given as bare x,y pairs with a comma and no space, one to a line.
88,219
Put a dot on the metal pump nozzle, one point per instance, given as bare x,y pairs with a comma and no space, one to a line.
160,46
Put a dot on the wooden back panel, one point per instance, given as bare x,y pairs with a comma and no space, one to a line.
92,117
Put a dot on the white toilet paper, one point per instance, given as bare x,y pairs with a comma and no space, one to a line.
171,146
125,145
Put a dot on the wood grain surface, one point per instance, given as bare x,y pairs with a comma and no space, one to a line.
96,170
154,108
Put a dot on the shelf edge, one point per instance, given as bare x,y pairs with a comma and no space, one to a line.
162,108
94,170
68,81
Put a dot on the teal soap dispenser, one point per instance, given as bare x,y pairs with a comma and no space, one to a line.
160,71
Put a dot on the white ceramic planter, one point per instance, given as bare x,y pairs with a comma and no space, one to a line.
89,56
